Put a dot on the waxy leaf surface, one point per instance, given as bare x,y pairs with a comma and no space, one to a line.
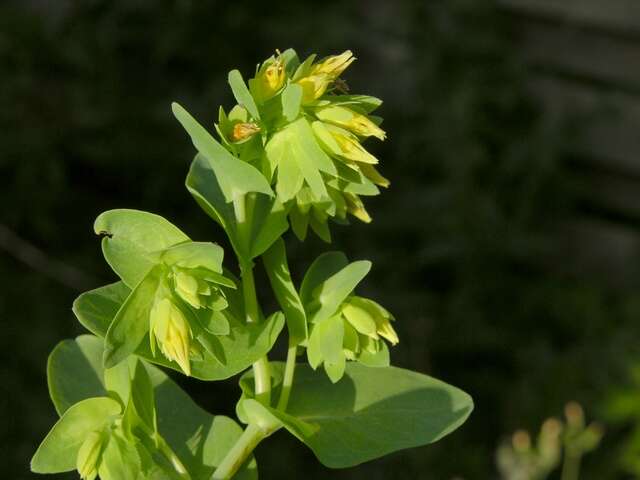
371,412
198,438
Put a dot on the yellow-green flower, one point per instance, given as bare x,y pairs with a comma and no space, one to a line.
269,79
170,330
314,86
244,130
369,318
350,120
88,459
333,65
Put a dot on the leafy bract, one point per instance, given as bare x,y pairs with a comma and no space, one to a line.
242,94
264,221
244,344
133,241
58,451
199,439
327,283
297,141
275,261
291,100
371,412
131,322
234,177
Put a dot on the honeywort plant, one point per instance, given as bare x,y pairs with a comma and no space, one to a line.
289,153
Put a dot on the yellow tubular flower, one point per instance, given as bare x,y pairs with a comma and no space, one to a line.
271,78
350,120
351,149
334,65
374,175
313,86
170,329
242,131
380,315
88,457
356,208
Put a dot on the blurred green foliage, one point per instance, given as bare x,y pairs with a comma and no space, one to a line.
464,243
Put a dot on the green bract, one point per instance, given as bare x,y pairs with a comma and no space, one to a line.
290,153
294,125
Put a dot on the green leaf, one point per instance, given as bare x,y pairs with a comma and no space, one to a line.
131,323
120,460
117,380
377,359
195,255
242,94
291,100
370,413
96,308
132,241
199,439
75,372
321,269
58,451
275,262
244,344
143,396
327,297
266,219
297,141
233,177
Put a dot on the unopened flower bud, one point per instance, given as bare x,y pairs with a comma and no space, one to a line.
243,131
88,458
351,149
334,65
170,329
270,78
313,86
350,120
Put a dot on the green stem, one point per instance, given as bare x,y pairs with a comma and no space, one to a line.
261,370
571,466
287,381
239,453
173,458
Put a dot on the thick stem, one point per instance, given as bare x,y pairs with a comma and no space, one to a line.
239,453
571,466
287,381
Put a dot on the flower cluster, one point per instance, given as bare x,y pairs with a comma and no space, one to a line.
297,124
355,332
171,319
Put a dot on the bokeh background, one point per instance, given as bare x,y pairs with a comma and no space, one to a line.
507,246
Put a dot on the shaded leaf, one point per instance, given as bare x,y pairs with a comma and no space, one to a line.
133,240
370,413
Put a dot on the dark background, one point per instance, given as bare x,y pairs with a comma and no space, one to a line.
475,245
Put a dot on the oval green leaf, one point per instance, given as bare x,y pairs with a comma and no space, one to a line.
370,413
132,240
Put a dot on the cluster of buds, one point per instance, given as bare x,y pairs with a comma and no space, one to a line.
360,327
314,153
366,324
172,319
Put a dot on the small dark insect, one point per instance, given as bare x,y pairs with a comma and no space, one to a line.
341,86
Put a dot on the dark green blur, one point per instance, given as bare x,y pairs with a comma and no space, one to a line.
465,243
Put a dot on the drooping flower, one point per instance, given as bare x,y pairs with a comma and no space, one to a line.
170,330
88,459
